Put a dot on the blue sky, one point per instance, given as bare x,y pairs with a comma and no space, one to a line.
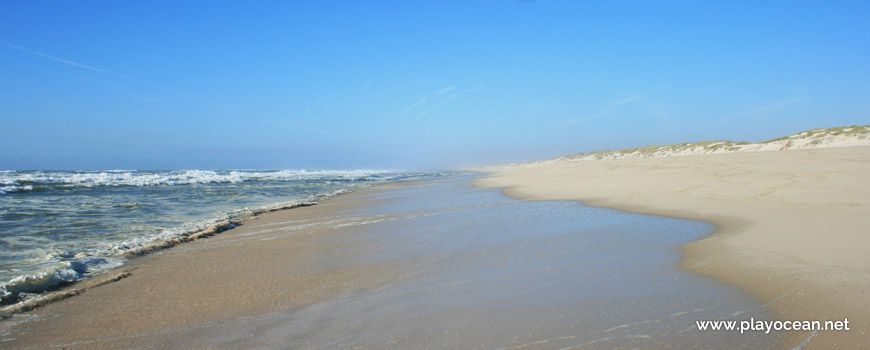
413,84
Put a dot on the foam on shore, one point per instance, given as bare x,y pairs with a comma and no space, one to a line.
65,226
84,264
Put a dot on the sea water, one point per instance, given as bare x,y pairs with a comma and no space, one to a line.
57,227
469,268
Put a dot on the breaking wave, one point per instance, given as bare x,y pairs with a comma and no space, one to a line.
59,227
14,181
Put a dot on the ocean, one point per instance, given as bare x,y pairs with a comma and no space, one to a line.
443,264
58,227
435,263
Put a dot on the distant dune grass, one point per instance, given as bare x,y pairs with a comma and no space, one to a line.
822,132
720,146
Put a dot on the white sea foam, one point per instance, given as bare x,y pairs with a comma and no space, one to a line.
64,272
8,188
64,251
78,265
13,181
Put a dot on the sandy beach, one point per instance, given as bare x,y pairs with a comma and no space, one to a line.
791,225
502,175
199,285
422,266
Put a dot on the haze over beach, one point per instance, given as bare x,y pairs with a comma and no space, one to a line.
166,85
496,175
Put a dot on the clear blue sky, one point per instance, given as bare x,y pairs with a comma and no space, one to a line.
413,84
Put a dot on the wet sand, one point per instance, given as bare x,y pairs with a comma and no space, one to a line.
435,265
792,225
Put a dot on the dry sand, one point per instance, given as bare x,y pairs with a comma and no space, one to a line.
792,225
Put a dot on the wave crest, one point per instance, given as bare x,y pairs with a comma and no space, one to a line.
62,273
13,181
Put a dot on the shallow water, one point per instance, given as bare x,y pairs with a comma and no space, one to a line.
481,270
58,227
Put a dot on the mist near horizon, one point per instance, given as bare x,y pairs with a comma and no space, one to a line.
422,86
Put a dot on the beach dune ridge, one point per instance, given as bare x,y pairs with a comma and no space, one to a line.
845,136
791,224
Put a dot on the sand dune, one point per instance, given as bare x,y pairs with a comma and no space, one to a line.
846,136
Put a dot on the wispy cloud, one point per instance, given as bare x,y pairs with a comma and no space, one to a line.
450,98
410,108
767,108
323,101
613,107
477,87
372,80
65,61
106,71
444,90
114,85
446,100
610,108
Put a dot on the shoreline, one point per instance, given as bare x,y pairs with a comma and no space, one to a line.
235,219
236,286
96,220
188,232
401,266
792,287
213,228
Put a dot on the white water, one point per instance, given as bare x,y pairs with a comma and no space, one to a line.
57,227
